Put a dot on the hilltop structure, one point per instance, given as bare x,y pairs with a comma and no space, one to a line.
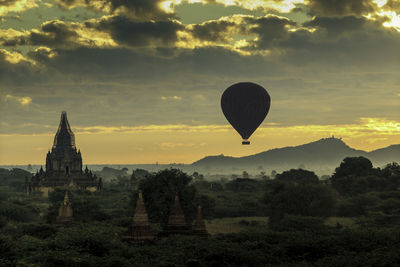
65,211
63,165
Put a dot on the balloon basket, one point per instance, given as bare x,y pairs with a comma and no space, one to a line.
245,142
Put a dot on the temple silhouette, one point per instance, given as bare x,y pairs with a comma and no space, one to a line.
65,212
142,233
63,165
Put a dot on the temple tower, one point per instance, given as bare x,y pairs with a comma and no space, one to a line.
176,221
65,211
64,158
141,230
63,165
199,226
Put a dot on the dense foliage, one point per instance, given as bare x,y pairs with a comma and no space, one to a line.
296,202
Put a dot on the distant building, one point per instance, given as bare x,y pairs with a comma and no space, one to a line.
141,232
63,165
65,212
176,222
199,228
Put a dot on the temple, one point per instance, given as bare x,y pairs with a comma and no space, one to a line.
176,222
63,165
65,211
141,232
199,228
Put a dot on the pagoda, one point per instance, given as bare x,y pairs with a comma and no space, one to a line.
141,229
65,211
199,228
63,165
176,221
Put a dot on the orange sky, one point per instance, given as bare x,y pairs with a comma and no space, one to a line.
185,144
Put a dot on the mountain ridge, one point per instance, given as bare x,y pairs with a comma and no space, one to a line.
323,153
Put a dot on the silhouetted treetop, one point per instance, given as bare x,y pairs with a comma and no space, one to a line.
297,176
358,166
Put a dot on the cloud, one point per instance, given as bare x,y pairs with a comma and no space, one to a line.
7,6
178,146
23,101
364,127
215,30
58,33
135,9
125,31
341,7
108,31
171,97
271,30
282,6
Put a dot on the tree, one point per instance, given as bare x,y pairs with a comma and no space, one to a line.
84,204
159,191
356,175
310,199
357,166
298,176
133,181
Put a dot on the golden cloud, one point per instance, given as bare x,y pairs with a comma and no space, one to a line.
16,6
283,6
364,127
171,98
14,57
23,101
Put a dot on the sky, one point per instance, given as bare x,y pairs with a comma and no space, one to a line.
141,80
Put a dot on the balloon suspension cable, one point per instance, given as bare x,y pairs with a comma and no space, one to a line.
245,142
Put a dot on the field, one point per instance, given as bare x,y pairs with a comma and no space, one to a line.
238,224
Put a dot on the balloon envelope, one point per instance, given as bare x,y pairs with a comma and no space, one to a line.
245,105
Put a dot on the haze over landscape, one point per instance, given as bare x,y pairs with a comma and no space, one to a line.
196,133
142,80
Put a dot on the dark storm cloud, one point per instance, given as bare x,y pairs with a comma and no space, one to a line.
215,31
15,70
341,7
335,26
122,30
270,29
347,42
54,33
103,65
133,33
138,9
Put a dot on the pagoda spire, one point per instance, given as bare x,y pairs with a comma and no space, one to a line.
141,230
176,217
200,226
64,137
140,217
65,211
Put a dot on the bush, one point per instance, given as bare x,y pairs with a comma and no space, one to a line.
298,223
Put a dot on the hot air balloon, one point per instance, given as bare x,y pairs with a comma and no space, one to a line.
245,105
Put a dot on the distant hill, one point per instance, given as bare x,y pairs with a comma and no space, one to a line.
326,153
